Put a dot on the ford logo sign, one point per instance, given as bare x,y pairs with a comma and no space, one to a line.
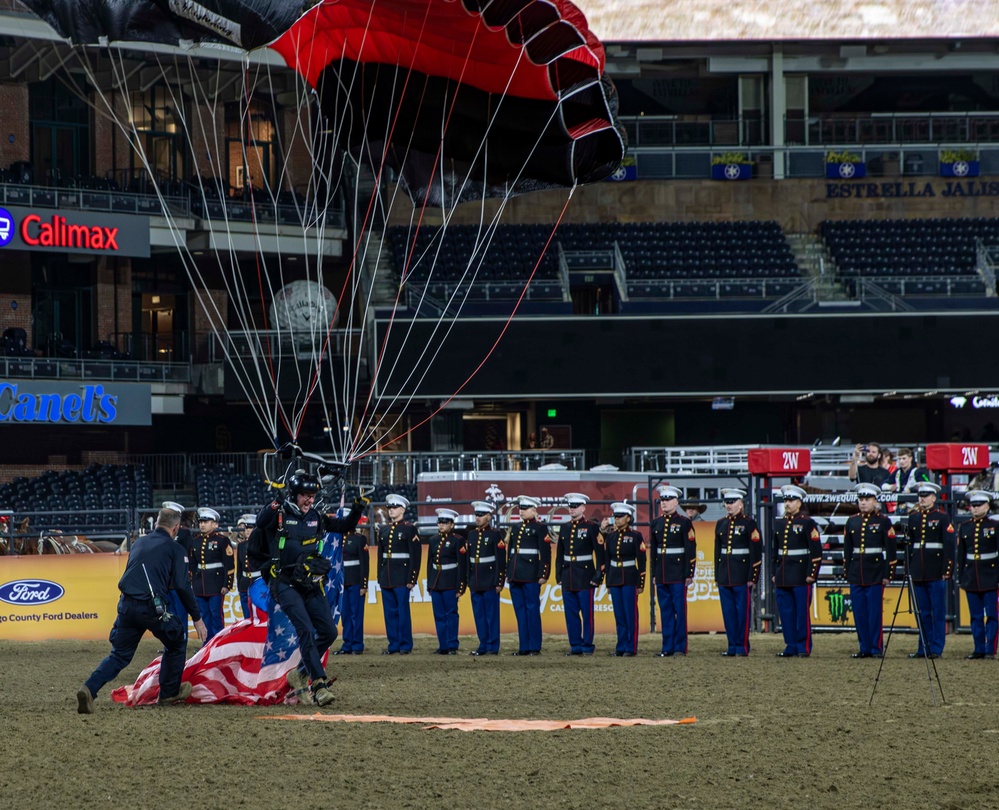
30,592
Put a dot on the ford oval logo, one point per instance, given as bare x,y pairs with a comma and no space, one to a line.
30,592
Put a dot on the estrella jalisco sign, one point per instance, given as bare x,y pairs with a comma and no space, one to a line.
41,402
73,232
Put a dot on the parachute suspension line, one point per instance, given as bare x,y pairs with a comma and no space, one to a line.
129,128
499,337
491,231
363,234
405,271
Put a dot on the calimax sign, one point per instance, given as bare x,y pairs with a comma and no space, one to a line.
73,232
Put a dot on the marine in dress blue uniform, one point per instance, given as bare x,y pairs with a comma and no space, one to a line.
738,557
797,556
291,559
185,540
244,576
485,561
212,567
399,561
446,579
529,560
625,554
869,558
978,573
356,568
156,565
579,563
932,545
674,559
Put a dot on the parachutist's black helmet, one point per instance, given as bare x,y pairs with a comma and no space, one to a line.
301,483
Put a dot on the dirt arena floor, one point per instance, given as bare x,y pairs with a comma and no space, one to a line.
770,733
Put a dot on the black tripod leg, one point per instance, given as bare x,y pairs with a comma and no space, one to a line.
884,650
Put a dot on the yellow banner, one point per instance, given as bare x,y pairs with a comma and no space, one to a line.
73,596
831,607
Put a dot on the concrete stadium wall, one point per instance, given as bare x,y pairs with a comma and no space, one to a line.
798,205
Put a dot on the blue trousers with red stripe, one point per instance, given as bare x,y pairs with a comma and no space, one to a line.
445,606
868,606
735,614
526,599
352,617
794,606
982,606
624,599
398,619
672,598
579,619
931,602
211,613
486,612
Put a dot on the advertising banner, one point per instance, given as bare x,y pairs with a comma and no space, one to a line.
72,596
70,231
832,608
53,402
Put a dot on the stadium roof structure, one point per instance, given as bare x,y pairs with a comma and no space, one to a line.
770,20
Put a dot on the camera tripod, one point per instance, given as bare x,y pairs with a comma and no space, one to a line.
931,664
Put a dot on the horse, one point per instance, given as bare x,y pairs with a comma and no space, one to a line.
52,541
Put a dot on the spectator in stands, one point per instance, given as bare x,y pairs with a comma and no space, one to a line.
212,570
865,466
907,476
693,510
888,460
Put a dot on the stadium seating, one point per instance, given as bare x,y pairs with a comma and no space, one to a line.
89,499
916,257
698,253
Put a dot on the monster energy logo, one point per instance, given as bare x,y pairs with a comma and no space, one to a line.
839,605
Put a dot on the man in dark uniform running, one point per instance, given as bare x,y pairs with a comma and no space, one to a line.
156,565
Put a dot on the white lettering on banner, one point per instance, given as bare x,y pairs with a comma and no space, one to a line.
703,588
970,455
986,402
790,461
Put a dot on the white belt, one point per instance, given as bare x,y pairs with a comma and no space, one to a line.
795,552
623,563
351,562
397,555
673,550
578,557
735,551
484,559
990,556
446,567
872,550
210,566
526,551
927,545
252,574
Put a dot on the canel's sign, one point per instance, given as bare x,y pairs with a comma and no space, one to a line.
32,402
74,232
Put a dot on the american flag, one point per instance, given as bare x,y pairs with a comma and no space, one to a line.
248,662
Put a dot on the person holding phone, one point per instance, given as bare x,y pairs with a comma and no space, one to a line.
865,465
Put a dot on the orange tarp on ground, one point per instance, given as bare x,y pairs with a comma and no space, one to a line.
482,724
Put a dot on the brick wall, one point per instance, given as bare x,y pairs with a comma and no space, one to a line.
14,121
201,322
113,304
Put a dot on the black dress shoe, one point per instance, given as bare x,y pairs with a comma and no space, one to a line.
727,655
535,652
933,656
476,652
340,652
663,655
860,655
916,655
439,652
975,656
358,652
617,654
569,654
451,652
627,655
787,655
494,652
404,652
390,652
521,652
